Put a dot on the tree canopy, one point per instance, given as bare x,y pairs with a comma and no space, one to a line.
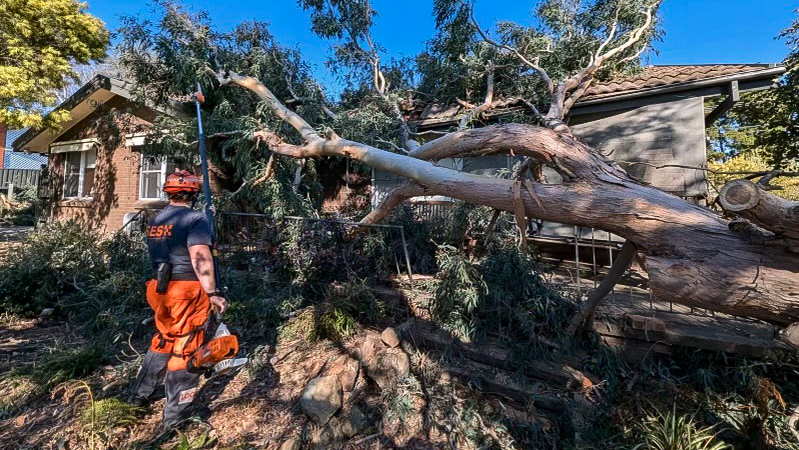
40,42
766,124
463,62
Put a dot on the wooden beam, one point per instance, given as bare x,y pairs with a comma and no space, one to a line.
733,97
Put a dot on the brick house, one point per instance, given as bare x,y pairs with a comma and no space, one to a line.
97,173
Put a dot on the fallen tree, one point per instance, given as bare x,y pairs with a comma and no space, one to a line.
692,255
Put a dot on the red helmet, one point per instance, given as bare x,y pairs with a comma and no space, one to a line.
182,181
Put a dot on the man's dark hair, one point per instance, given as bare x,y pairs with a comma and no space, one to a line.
182,197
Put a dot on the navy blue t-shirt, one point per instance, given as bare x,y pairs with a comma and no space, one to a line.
172,232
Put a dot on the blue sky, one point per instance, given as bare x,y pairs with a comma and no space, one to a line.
697,31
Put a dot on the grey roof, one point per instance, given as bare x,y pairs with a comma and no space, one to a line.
19,160
651,82
12,135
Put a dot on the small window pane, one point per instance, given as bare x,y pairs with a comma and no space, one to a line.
170,167
71,174
151,185
149,163
88,182
91,158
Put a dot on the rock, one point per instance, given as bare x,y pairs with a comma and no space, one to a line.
790,335
321,398
369,348
290,444
354,423
390,337
346,369
391,365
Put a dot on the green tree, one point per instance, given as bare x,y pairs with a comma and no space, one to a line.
40,41
767,122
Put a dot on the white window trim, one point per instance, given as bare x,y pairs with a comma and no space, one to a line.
79,145
81,174
141,179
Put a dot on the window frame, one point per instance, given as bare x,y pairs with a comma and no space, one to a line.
162,171
81,174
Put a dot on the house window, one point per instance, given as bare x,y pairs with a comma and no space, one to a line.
153,174
79,173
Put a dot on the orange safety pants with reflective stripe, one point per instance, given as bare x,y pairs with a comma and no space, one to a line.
180,314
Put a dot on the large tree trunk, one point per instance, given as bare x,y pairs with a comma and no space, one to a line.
692,256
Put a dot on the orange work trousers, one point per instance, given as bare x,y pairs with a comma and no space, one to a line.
180,315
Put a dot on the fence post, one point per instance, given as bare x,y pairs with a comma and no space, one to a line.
405,250
10,192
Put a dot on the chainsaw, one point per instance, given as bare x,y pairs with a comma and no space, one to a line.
217,355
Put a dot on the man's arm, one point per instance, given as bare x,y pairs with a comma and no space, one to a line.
203,264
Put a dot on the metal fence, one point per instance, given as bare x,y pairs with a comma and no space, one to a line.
19,177
340,246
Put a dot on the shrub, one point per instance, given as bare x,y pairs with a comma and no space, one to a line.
45,270
96,282
65,365
347,305
499,293
107,414
672,432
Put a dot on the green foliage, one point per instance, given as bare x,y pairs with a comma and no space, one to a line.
165,57
459,293
23,208
65,365
39,43
346,306
753,162
670,431
48,262
499,293
563,40
107,414
97,283
197,443
765,122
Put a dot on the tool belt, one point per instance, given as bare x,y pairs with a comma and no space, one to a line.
164,275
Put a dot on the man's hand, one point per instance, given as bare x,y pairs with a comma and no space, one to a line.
218,304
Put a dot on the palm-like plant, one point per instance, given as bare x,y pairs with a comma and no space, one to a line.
672,432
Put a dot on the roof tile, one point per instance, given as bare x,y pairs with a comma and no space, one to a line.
658,76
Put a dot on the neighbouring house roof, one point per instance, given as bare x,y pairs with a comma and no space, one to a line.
19,160
653,84
13,135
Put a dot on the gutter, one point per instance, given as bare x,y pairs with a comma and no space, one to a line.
773,72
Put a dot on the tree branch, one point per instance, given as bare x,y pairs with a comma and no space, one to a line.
570,90
617,270
295,120
543,73
394,198
297,99
489,99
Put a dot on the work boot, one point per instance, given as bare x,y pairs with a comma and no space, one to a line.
181,387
